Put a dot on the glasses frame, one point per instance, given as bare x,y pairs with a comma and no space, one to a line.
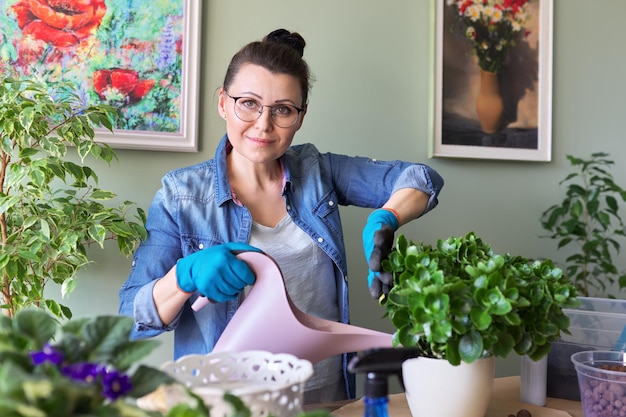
260,112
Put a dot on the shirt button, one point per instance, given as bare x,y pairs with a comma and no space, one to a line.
331,203
288,208
319,239
201,246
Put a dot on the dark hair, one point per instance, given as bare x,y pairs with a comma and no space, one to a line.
280,52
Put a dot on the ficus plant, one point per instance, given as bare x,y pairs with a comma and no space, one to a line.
588,223
461,301
51,208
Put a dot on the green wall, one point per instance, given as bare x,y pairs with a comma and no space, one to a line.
372,63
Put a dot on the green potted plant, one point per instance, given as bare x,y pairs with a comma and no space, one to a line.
588,222
51,207
90,367
84,367
460,303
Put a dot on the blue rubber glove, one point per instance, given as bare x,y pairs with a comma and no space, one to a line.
378,236
216,272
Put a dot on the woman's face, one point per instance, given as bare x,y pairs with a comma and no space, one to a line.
260,140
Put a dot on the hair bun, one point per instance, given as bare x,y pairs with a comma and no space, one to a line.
292,39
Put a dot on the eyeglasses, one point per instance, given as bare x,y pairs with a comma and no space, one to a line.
248,110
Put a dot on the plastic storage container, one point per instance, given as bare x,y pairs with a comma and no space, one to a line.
602,382
597,324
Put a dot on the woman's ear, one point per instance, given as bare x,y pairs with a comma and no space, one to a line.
221,103
302,114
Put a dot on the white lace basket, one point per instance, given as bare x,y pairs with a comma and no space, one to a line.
267,383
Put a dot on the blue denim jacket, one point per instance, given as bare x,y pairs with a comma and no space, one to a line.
194,209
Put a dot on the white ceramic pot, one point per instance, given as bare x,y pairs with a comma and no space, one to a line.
434,388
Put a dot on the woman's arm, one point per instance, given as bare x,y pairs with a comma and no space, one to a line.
407,204
168,297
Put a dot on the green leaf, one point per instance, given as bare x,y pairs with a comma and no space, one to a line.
499,305
45,229
98,233
27,152
481,318
6,203
104,335
37,325
26,117
146,380
28,255
102,195
68,286
504,345
471,347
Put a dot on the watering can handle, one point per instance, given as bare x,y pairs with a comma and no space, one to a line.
202,301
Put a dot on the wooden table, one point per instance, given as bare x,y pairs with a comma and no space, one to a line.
504,401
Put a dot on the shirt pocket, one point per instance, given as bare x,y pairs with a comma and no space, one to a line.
193,244
327,210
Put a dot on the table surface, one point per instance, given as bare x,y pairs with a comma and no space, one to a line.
504,401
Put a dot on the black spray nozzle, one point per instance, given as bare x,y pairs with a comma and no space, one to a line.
378,364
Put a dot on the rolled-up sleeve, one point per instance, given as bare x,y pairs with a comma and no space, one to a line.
423,178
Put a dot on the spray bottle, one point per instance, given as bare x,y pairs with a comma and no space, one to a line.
377,365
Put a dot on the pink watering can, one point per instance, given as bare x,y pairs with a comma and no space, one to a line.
268,320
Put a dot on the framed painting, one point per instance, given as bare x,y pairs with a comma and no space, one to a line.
142,57
493,79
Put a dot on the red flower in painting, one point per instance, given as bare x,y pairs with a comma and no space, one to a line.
59,22
120,85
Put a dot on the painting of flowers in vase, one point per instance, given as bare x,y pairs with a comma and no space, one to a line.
493,79
138,56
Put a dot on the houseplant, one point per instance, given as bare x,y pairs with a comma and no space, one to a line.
461,305
84,367
460,301
51,207
88,367
588,222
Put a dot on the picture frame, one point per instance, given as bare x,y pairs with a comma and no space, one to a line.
143,58
522,129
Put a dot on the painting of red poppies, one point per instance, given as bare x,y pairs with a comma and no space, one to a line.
139,56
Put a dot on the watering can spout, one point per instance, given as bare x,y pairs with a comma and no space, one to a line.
268,320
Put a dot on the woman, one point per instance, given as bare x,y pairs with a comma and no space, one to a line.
261,193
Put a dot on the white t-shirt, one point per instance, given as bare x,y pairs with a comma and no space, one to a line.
310,281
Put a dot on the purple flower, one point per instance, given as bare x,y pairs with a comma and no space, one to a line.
115,385
47,354
167,45
85,371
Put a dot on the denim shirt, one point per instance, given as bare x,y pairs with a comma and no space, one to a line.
194,209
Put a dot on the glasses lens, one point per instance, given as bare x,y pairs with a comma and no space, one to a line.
248,110
284,115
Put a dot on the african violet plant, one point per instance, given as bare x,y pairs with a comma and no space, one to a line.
88,367
51,207
460,301
84,367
